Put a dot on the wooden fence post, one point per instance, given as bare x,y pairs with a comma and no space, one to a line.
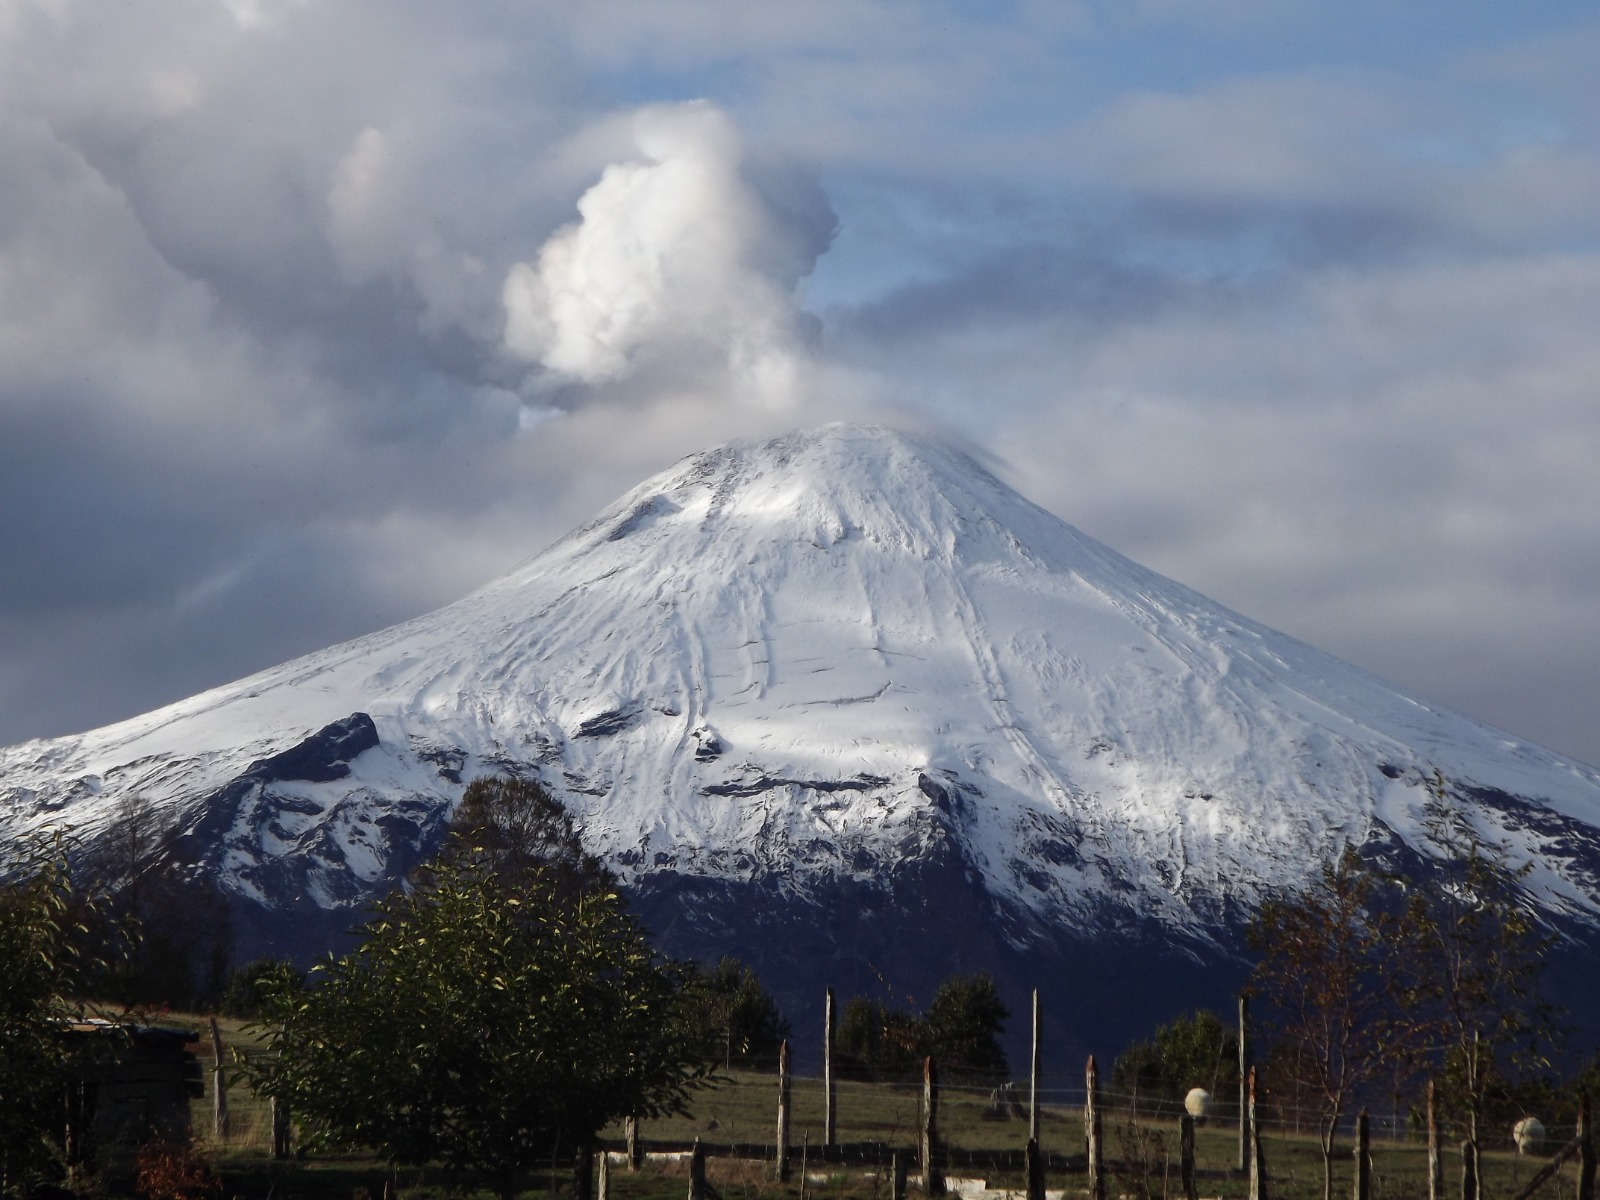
583,1172
1033,1161
73,1135
630,1139
830,1114
1585,1150
1091,1131
1186,1157
1551,1168
697,1172
1245,1147
1435,1163
897,1167
1363,1158
219,1087
932,1180
783,1111
602,1189
1033,1074
280,1129
1258,1160
1474,1099
1469,1171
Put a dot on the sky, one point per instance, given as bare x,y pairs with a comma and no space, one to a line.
317,314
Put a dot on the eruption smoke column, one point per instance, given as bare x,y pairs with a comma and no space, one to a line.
676,257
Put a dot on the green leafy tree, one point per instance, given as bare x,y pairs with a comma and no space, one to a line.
1337,990
249,989
43,918
514,828
739,1018
1194,1050
483,1023
964,1023
877,1040
961,1029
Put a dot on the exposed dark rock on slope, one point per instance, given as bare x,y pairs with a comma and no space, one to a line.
840,702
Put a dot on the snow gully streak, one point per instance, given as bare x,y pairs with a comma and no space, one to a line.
810,667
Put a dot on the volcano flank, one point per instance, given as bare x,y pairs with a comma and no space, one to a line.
844,704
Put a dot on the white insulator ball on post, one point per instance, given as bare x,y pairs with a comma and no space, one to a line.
1197,1103
1528,1134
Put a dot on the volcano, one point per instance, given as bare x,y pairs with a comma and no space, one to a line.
846,705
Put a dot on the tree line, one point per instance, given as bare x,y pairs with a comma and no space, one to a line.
960,1028
504,1006
1364,982
495,1014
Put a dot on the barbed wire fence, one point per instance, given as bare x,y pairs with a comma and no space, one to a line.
984,1126
744,1093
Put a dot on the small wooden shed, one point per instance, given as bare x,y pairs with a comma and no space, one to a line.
130,1083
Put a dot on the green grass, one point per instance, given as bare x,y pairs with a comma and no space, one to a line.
742,1109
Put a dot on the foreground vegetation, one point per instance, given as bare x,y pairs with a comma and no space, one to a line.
740,1109
504,1013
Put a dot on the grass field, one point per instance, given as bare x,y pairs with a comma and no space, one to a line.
741,1109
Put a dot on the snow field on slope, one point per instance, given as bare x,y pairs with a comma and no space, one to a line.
844,603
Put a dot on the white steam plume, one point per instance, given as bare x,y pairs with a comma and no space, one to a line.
676,259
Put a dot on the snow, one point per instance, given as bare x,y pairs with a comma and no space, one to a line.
848,606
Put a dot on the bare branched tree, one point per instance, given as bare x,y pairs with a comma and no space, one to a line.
1337,990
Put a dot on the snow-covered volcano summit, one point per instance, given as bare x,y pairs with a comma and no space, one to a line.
847,669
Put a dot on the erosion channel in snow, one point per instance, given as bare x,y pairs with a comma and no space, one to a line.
846,705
